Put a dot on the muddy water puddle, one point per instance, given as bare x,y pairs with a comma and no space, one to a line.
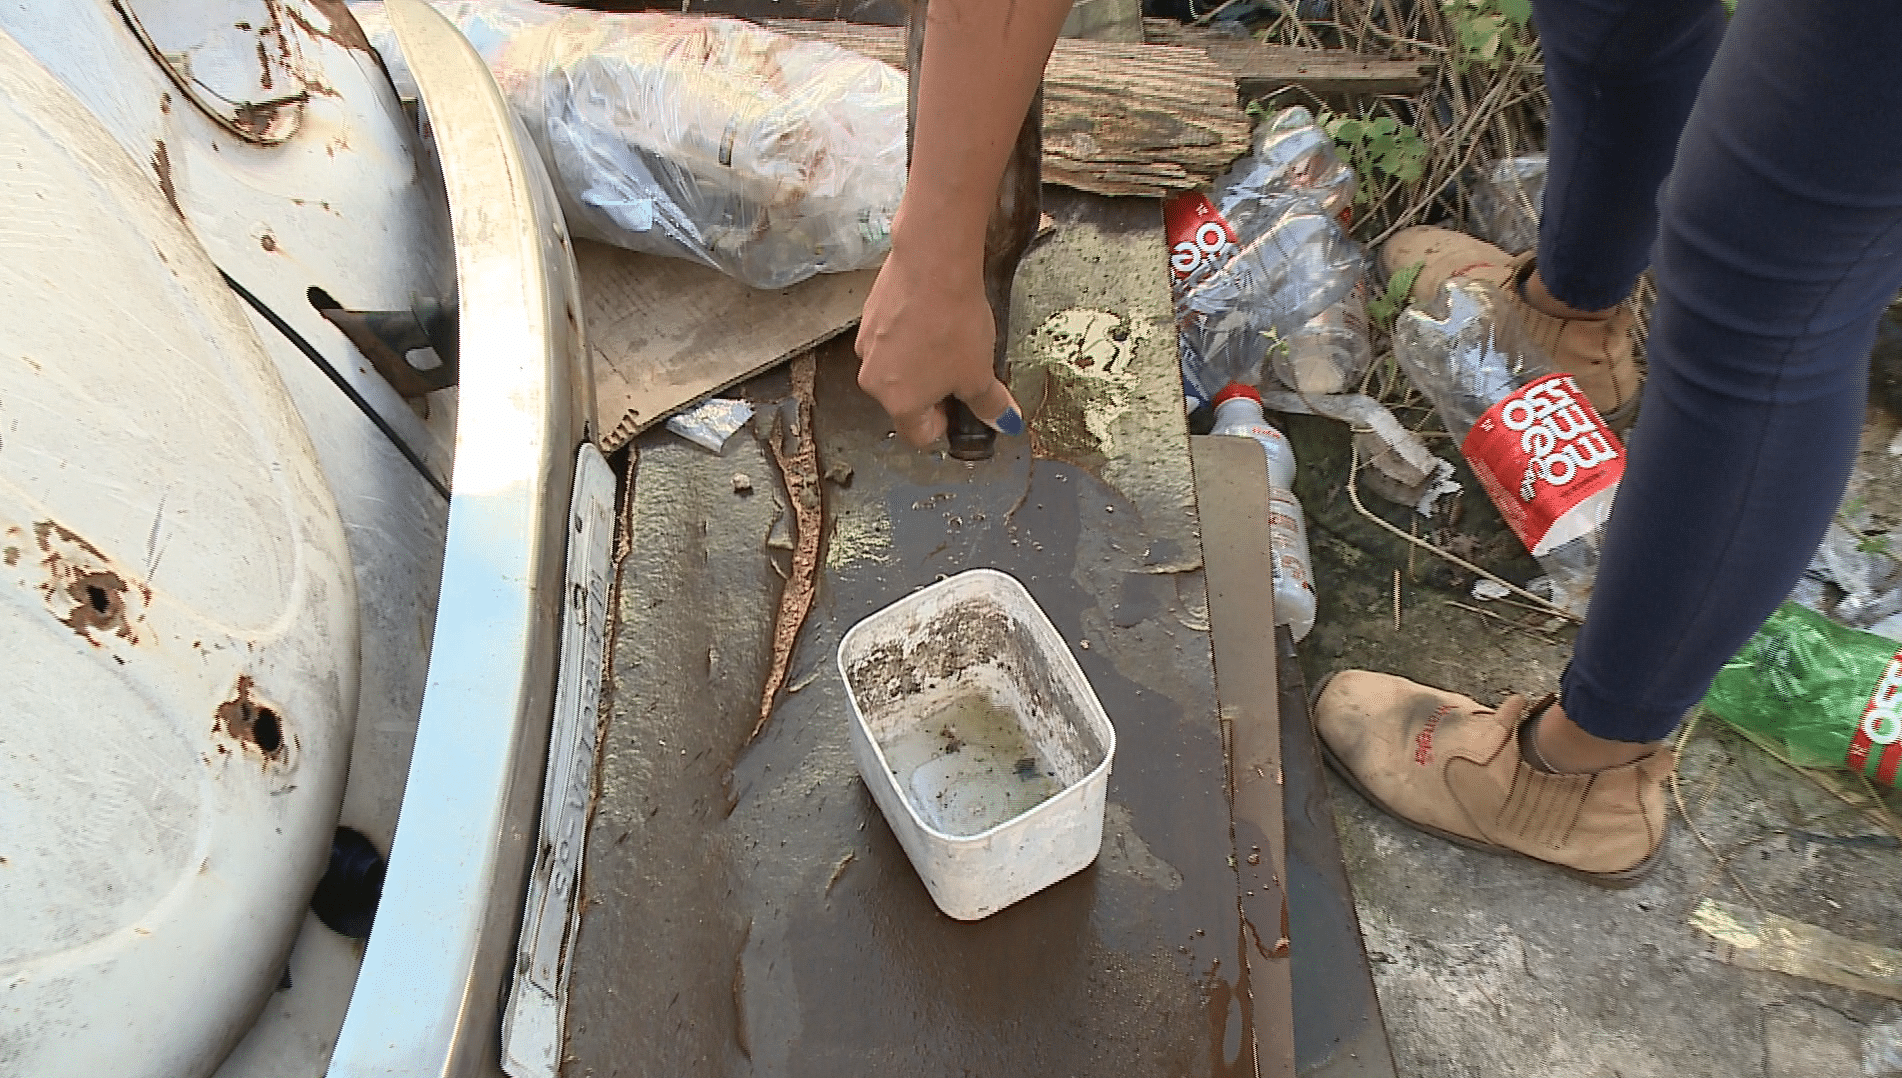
969,766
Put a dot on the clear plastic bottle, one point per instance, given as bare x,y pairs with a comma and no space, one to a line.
1505,200
1238,413
1262,254
1331,351
1548,461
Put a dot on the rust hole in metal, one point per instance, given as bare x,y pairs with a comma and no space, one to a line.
84,591
249,721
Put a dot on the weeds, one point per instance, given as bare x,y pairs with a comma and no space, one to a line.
1377,147
1488,31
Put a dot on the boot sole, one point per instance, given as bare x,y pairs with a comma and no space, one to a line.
1614,881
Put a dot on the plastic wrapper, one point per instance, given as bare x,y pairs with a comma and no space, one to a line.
1869,581
1413,475
702,138
1505,201
1829,694
1882,1050
709,424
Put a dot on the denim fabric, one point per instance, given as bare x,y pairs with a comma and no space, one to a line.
1778,243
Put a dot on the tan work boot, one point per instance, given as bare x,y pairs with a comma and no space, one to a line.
1596,352
1448,766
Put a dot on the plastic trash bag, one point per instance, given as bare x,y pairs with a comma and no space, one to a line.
703,138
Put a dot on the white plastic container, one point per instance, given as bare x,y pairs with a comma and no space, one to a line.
980,739
1238,413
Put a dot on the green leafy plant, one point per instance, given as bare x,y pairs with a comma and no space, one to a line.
1377,148
1386,307
1487,31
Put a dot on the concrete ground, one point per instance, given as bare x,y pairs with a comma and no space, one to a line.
1488,966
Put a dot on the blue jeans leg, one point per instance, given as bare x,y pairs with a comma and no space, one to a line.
1779,243
1622,76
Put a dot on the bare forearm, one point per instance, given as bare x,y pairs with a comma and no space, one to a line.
983,62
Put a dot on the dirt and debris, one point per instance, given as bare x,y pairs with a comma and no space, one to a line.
799,471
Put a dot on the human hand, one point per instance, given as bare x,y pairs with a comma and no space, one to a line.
927,333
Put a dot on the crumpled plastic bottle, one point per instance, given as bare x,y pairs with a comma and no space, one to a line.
709,139
1262,254
1505,200
1830,695
1330,351
1548,461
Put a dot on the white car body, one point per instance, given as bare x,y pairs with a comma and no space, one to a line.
228,568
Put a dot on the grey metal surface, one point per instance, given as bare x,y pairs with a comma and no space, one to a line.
1231,486
747,909
1339,1031
427,999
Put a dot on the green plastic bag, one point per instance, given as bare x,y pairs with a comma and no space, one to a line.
1831,694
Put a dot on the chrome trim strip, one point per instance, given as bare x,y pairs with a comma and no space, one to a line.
427,1001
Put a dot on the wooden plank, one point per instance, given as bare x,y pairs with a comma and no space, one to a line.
664,333
1231,491
1260,69
1118,119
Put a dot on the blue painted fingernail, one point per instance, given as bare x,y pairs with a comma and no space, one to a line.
1011,422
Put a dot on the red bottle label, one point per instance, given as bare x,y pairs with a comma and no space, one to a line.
1200,238
1878,737
1540,452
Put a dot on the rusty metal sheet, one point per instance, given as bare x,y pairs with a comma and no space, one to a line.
664,332
1231,485
748,910
1338,1028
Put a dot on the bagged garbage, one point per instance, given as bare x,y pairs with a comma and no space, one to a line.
1262,255
1506,199
1831,695
701,138
1548,461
